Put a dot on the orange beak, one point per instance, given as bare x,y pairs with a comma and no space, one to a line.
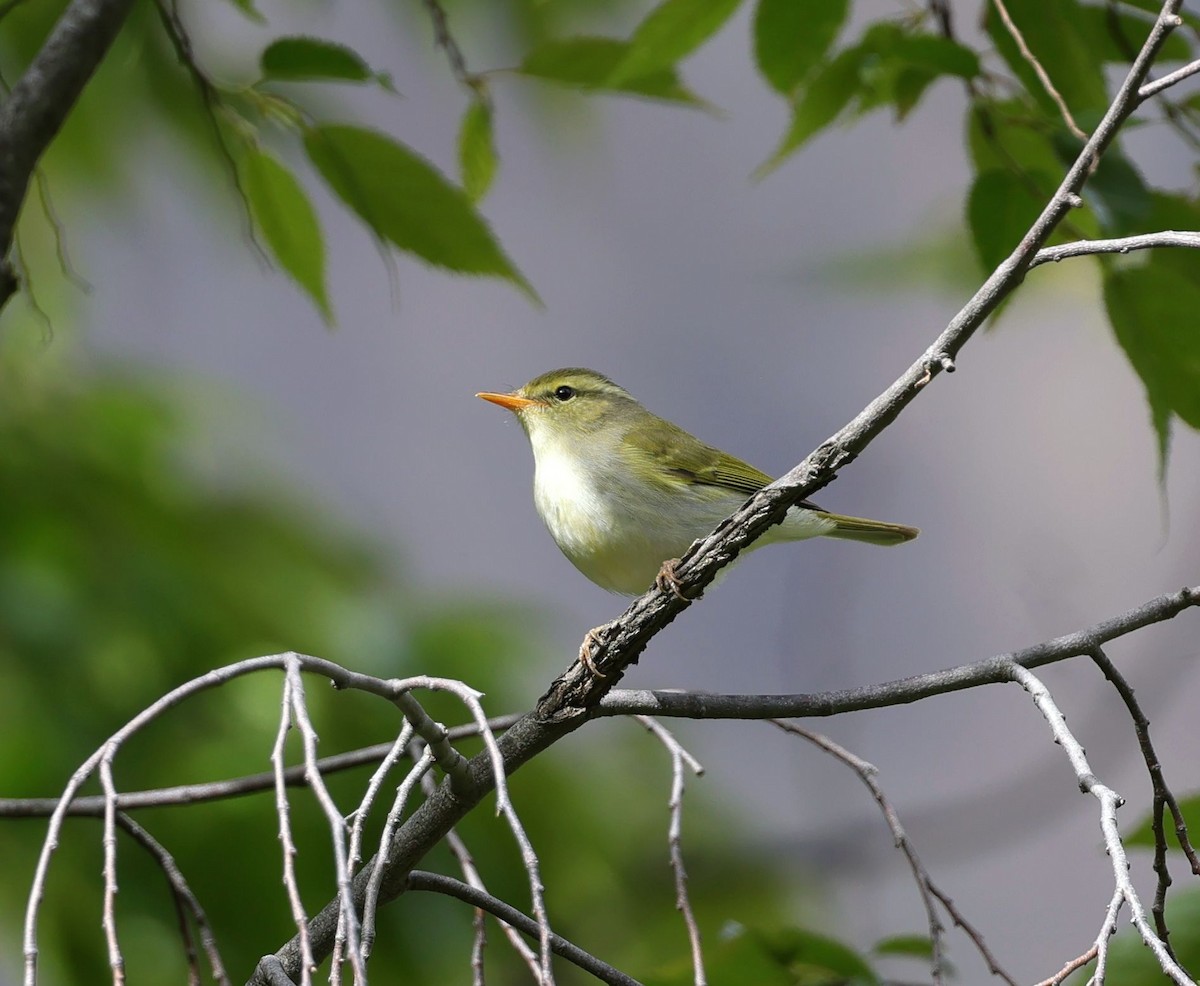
514,402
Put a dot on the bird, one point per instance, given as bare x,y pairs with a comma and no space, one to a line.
623,491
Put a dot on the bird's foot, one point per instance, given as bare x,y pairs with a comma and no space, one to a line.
590,639
667,581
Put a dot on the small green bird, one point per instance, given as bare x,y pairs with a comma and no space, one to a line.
623,490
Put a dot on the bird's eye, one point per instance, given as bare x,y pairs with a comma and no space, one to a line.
564,393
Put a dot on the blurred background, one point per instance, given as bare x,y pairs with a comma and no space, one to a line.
197,470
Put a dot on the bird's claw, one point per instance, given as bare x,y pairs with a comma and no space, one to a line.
591,639
667,581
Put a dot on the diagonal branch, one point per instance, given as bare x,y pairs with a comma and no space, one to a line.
38,105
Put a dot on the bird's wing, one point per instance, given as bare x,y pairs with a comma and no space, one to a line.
694,463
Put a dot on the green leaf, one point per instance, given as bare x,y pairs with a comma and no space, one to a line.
808,953
249,10
477,150
1153,313
406,201
1116,35
284,215
303,58
902,64
827,95
1118,195
672,30
1007,134
1056,35
1142,837
890,66
589,63
1000,209
791,38
918,946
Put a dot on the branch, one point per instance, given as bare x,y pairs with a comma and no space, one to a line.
1163,796
1110,801
1158,85
1123,244
1039,70
994,670
38,105
189,794
419,880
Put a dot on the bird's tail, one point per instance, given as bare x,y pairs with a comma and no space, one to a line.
868,531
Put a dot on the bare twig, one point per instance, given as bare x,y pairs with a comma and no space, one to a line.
683,903
1123,244
359,815
186,902
866,773
420,880
1043,76
504,806
283,812
1163,796
1168,80
458,63
1076,963
458,848
1109,801
187,794
115,960
376,868
337,824
928,890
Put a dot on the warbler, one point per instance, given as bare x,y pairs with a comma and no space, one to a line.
623,491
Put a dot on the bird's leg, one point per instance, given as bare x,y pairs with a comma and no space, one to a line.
668,581
590,639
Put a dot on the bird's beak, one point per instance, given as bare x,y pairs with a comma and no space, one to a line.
514,402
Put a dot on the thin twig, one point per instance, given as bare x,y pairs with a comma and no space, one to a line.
458,849
285,833
1164,798
1038,68
1168,80
680,758
458,63
1076,963
504,806
391,823
337,823
421,880
926,888
1123,244
188,794
115,960
399,748
185,899
1109,801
